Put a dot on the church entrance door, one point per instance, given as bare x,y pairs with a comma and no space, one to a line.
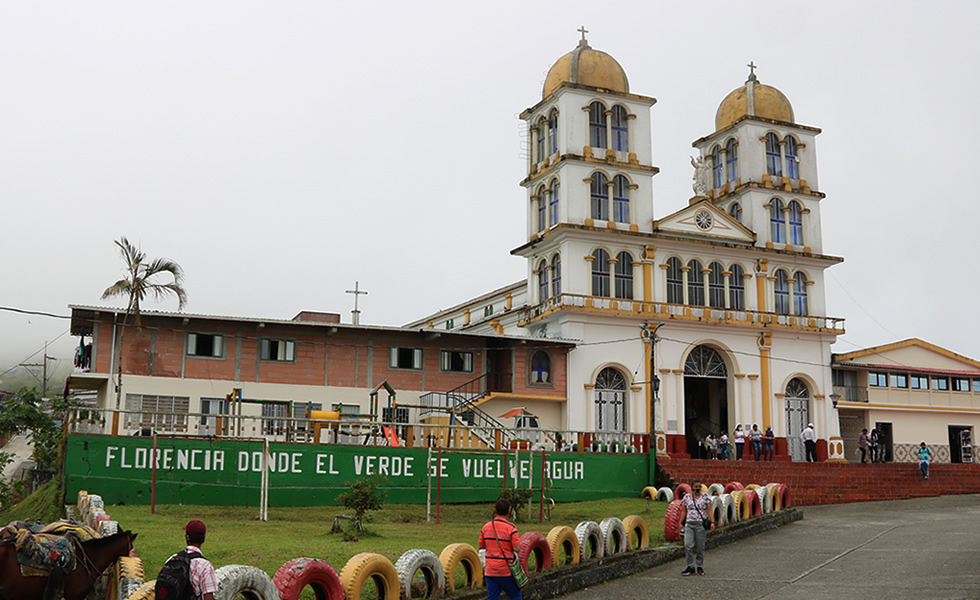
797,417
705,398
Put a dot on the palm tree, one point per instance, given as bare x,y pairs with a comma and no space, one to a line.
141,281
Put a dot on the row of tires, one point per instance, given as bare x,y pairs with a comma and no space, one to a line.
126,575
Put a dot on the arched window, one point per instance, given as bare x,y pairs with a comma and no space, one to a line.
619,129
781,292
553,209
777,222
799,295
621,199
600,273
556,275
735,210
600,197
736,288
695,285
716,285
792,161
597,125
542,125
675,281
540,367
731,167
795,223
624,276
718,167
542,281
542,208
704,361
610,400
774,160
553,131
797,388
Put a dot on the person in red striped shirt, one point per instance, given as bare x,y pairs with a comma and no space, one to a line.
500,540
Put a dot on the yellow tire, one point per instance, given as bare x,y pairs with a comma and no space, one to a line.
563,539
368,566
649,492
775,501
145,591
128,577
742,507
635,524
751,486
454,555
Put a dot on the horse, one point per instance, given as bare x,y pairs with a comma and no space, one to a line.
93,557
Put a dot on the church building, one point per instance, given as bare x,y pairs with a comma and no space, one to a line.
688,324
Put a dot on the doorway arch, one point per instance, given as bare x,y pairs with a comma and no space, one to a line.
610,400
797,416
705,397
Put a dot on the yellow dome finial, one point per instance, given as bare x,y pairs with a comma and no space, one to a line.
753,99
586,66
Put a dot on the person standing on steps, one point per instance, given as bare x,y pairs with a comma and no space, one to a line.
925,455
499,538
873,444
723,445
756,436
863,444
695,514
739,441
810,441
770,439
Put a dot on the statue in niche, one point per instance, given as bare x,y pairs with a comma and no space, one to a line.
700,175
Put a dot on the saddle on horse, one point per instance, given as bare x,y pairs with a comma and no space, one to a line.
51,548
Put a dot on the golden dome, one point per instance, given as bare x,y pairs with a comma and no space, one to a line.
586,66
767,102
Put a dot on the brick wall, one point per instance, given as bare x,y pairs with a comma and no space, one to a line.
833,483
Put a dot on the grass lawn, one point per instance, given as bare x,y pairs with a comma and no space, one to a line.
235,536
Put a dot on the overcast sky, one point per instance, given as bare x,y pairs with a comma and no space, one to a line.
281,151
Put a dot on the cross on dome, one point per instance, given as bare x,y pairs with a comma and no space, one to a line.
752,69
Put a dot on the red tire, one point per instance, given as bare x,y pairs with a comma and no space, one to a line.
533,542
672,521
755,503
680,490
785,497
294,576
732,486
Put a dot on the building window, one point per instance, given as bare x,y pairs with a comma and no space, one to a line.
717,166
777,222
795,223
620,129
898,381
600,197
940,383
542,125
800,296
919,382
488,310
961,385
553,203
731,165
540,367
450,323
675,281
553,130
600,273
597,125
792,161
157,413
405,358
716,285
345,409
542,281
621,199
781,292
976,386
774,160
735,210
542,209
878,379
624,276
695,286
736,288
556,275
610,401
456,361
277,350
205,344
278,412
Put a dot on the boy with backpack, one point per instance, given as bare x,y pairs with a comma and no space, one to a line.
187,575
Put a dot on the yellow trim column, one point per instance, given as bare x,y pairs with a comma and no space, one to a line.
760,285
765,343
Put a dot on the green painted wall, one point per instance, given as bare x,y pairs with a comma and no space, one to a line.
228,472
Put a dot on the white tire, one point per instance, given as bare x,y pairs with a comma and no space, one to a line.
728,506
665,494
718,511
483,557
427,562
764,499
716,489
589,536
613,536
107,528
250,582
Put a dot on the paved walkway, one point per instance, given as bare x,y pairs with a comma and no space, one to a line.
895,550
22,451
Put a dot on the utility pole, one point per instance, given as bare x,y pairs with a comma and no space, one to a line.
650,335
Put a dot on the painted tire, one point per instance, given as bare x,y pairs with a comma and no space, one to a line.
589,538
635,524
764,499
728,505
145,591
751,486
456,554
649,492
298,574
533,542
563,539
251,582
665,494
483,558
733,486
129,576
716,489
107,528
755,504
774,502
680,490
613,536
412,562
741,505
785,497
718,511
672,521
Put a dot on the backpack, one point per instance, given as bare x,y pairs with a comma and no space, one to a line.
174,580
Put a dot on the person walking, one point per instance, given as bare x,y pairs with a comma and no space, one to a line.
810,441
723,445
500,540
863,444
739,441
756,436
770,439
873,444
881,446
925,456
202,579
696,514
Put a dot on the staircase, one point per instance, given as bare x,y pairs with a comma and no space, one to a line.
462,404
